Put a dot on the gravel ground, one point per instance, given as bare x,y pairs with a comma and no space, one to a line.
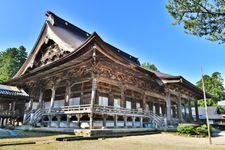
162,141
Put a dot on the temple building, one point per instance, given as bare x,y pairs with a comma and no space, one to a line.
77,80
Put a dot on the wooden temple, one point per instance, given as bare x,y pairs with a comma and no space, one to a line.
77,80
12,104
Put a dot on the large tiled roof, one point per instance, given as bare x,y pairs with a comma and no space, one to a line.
75,36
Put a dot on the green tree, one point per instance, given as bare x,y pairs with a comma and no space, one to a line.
203,18
214,86
149,66
10,62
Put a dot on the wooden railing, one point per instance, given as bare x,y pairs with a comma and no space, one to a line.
157,120
77,108
69,109
7,113
115,110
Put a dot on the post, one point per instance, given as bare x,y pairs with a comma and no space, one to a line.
52,99
189,110
67,96
68,120
122,98
196,111
141,121
125,121
93,94
40,99
78,120
179,111
13,105
49,121
30,103
185,110
133,121
104,121
58,121
206,110
115,121
168,107
144,103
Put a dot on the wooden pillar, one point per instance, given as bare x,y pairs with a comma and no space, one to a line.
141,122
104,121
30,105
160,110
68,120
185,110
58,121
42,122
179,108
144,103
153,108
41,98
125,121
49,121
189,110
67,96
111,99
13,105
93,95
52,98
78,120
168,107
196,110
133,121
122,102
115,121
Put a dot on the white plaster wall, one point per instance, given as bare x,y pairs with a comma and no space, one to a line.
120,123
109,123
137,124
129,123
98,123
59,103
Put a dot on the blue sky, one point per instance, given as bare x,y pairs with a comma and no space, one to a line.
140,27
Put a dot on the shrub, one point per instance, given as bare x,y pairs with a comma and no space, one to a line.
202,130
187,129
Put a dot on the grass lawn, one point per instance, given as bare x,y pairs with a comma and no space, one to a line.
145,142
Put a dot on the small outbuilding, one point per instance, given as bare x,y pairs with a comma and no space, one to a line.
12,104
